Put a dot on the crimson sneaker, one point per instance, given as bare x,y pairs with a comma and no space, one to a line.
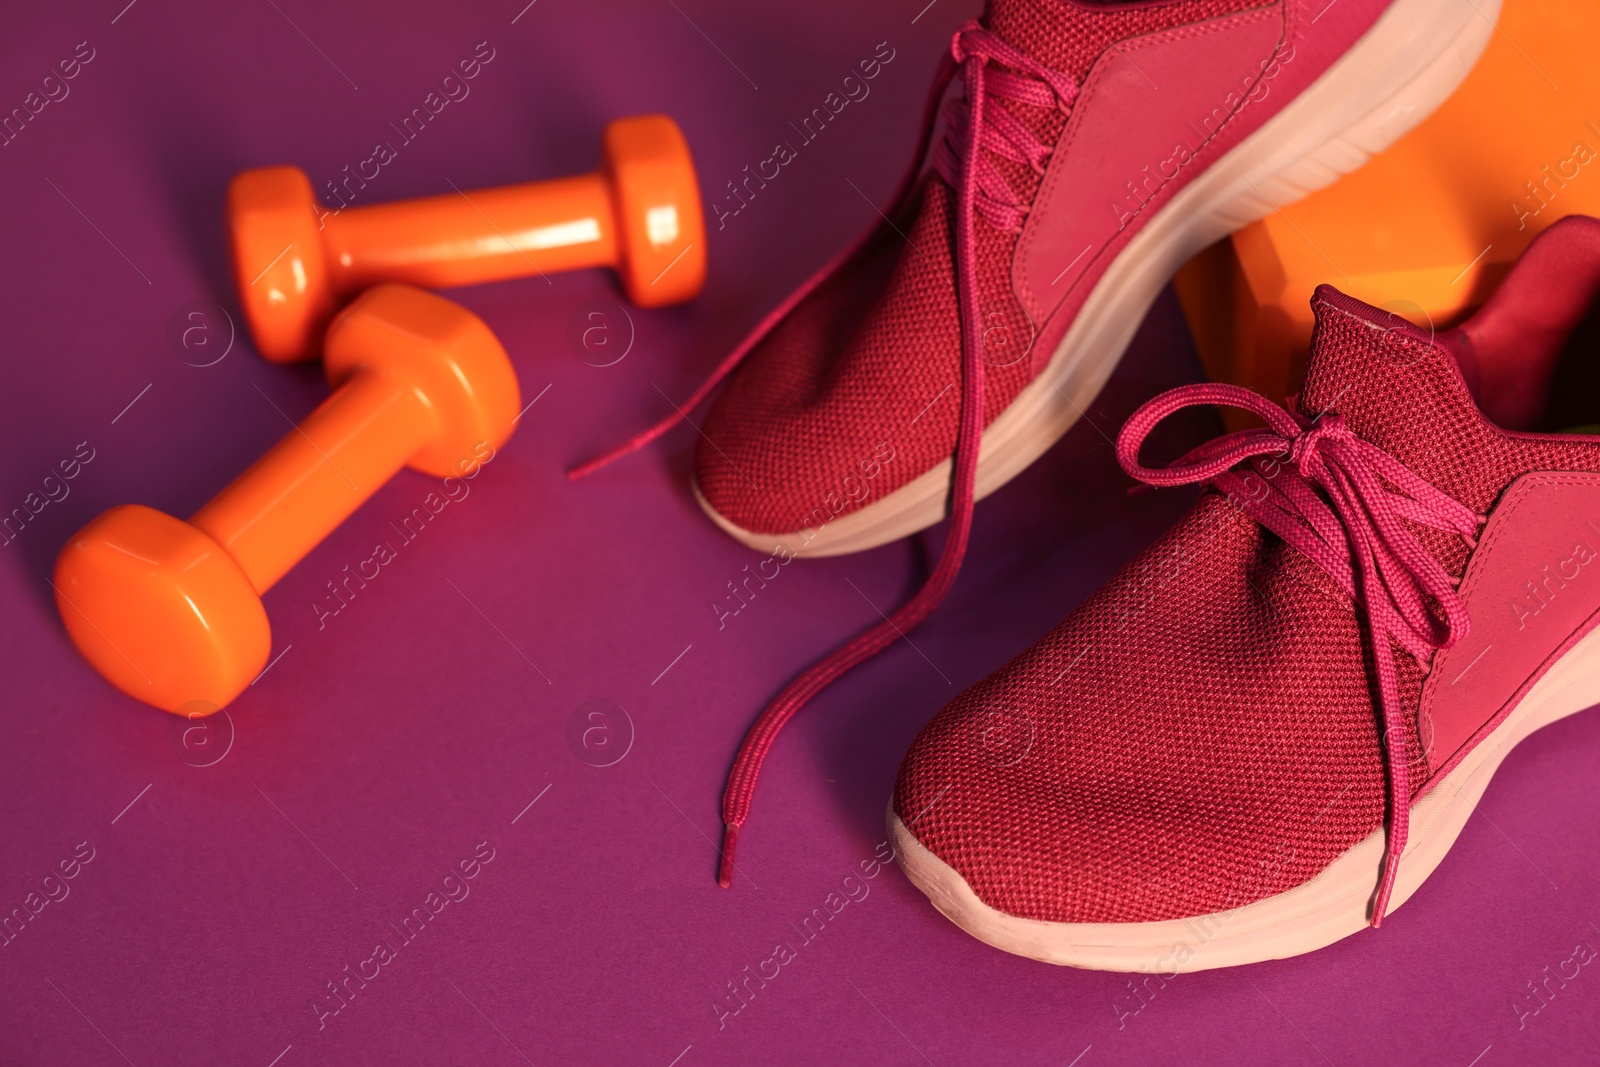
1117,140
1306,682
1097,147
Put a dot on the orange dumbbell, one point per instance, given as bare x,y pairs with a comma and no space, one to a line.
170,612
639,214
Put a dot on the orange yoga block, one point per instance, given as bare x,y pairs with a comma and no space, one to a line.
1428,227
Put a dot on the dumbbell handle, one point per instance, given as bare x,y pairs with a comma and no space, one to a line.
481,236
279,509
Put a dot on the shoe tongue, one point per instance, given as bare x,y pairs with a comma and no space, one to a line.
1394,386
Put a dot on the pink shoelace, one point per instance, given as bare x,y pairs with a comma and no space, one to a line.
1352,529
975,126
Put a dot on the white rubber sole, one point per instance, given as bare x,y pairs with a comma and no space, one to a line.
1331,906
1361,105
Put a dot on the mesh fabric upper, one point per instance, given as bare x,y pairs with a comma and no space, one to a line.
860,361
1203,731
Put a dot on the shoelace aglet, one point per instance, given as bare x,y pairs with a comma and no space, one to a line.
730,838
1380,904
584,469
605,459
636,442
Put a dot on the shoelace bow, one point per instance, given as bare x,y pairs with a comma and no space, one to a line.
1354,529
975,127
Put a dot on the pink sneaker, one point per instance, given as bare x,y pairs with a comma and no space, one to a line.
1118,140
1306,682
1097,147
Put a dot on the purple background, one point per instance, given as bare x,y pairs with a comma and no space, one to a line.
383,748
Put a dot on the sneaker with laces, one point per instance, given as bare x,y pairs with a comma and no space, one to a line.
1114,141
1096,147
1267,731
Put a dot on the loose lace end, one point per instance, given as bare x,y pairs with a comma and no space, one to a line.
730,838
1380,904
588,467
973,47
627,448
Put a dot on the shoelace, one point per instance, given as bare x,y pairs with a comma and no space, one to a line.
1353,529
975,126
999,132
